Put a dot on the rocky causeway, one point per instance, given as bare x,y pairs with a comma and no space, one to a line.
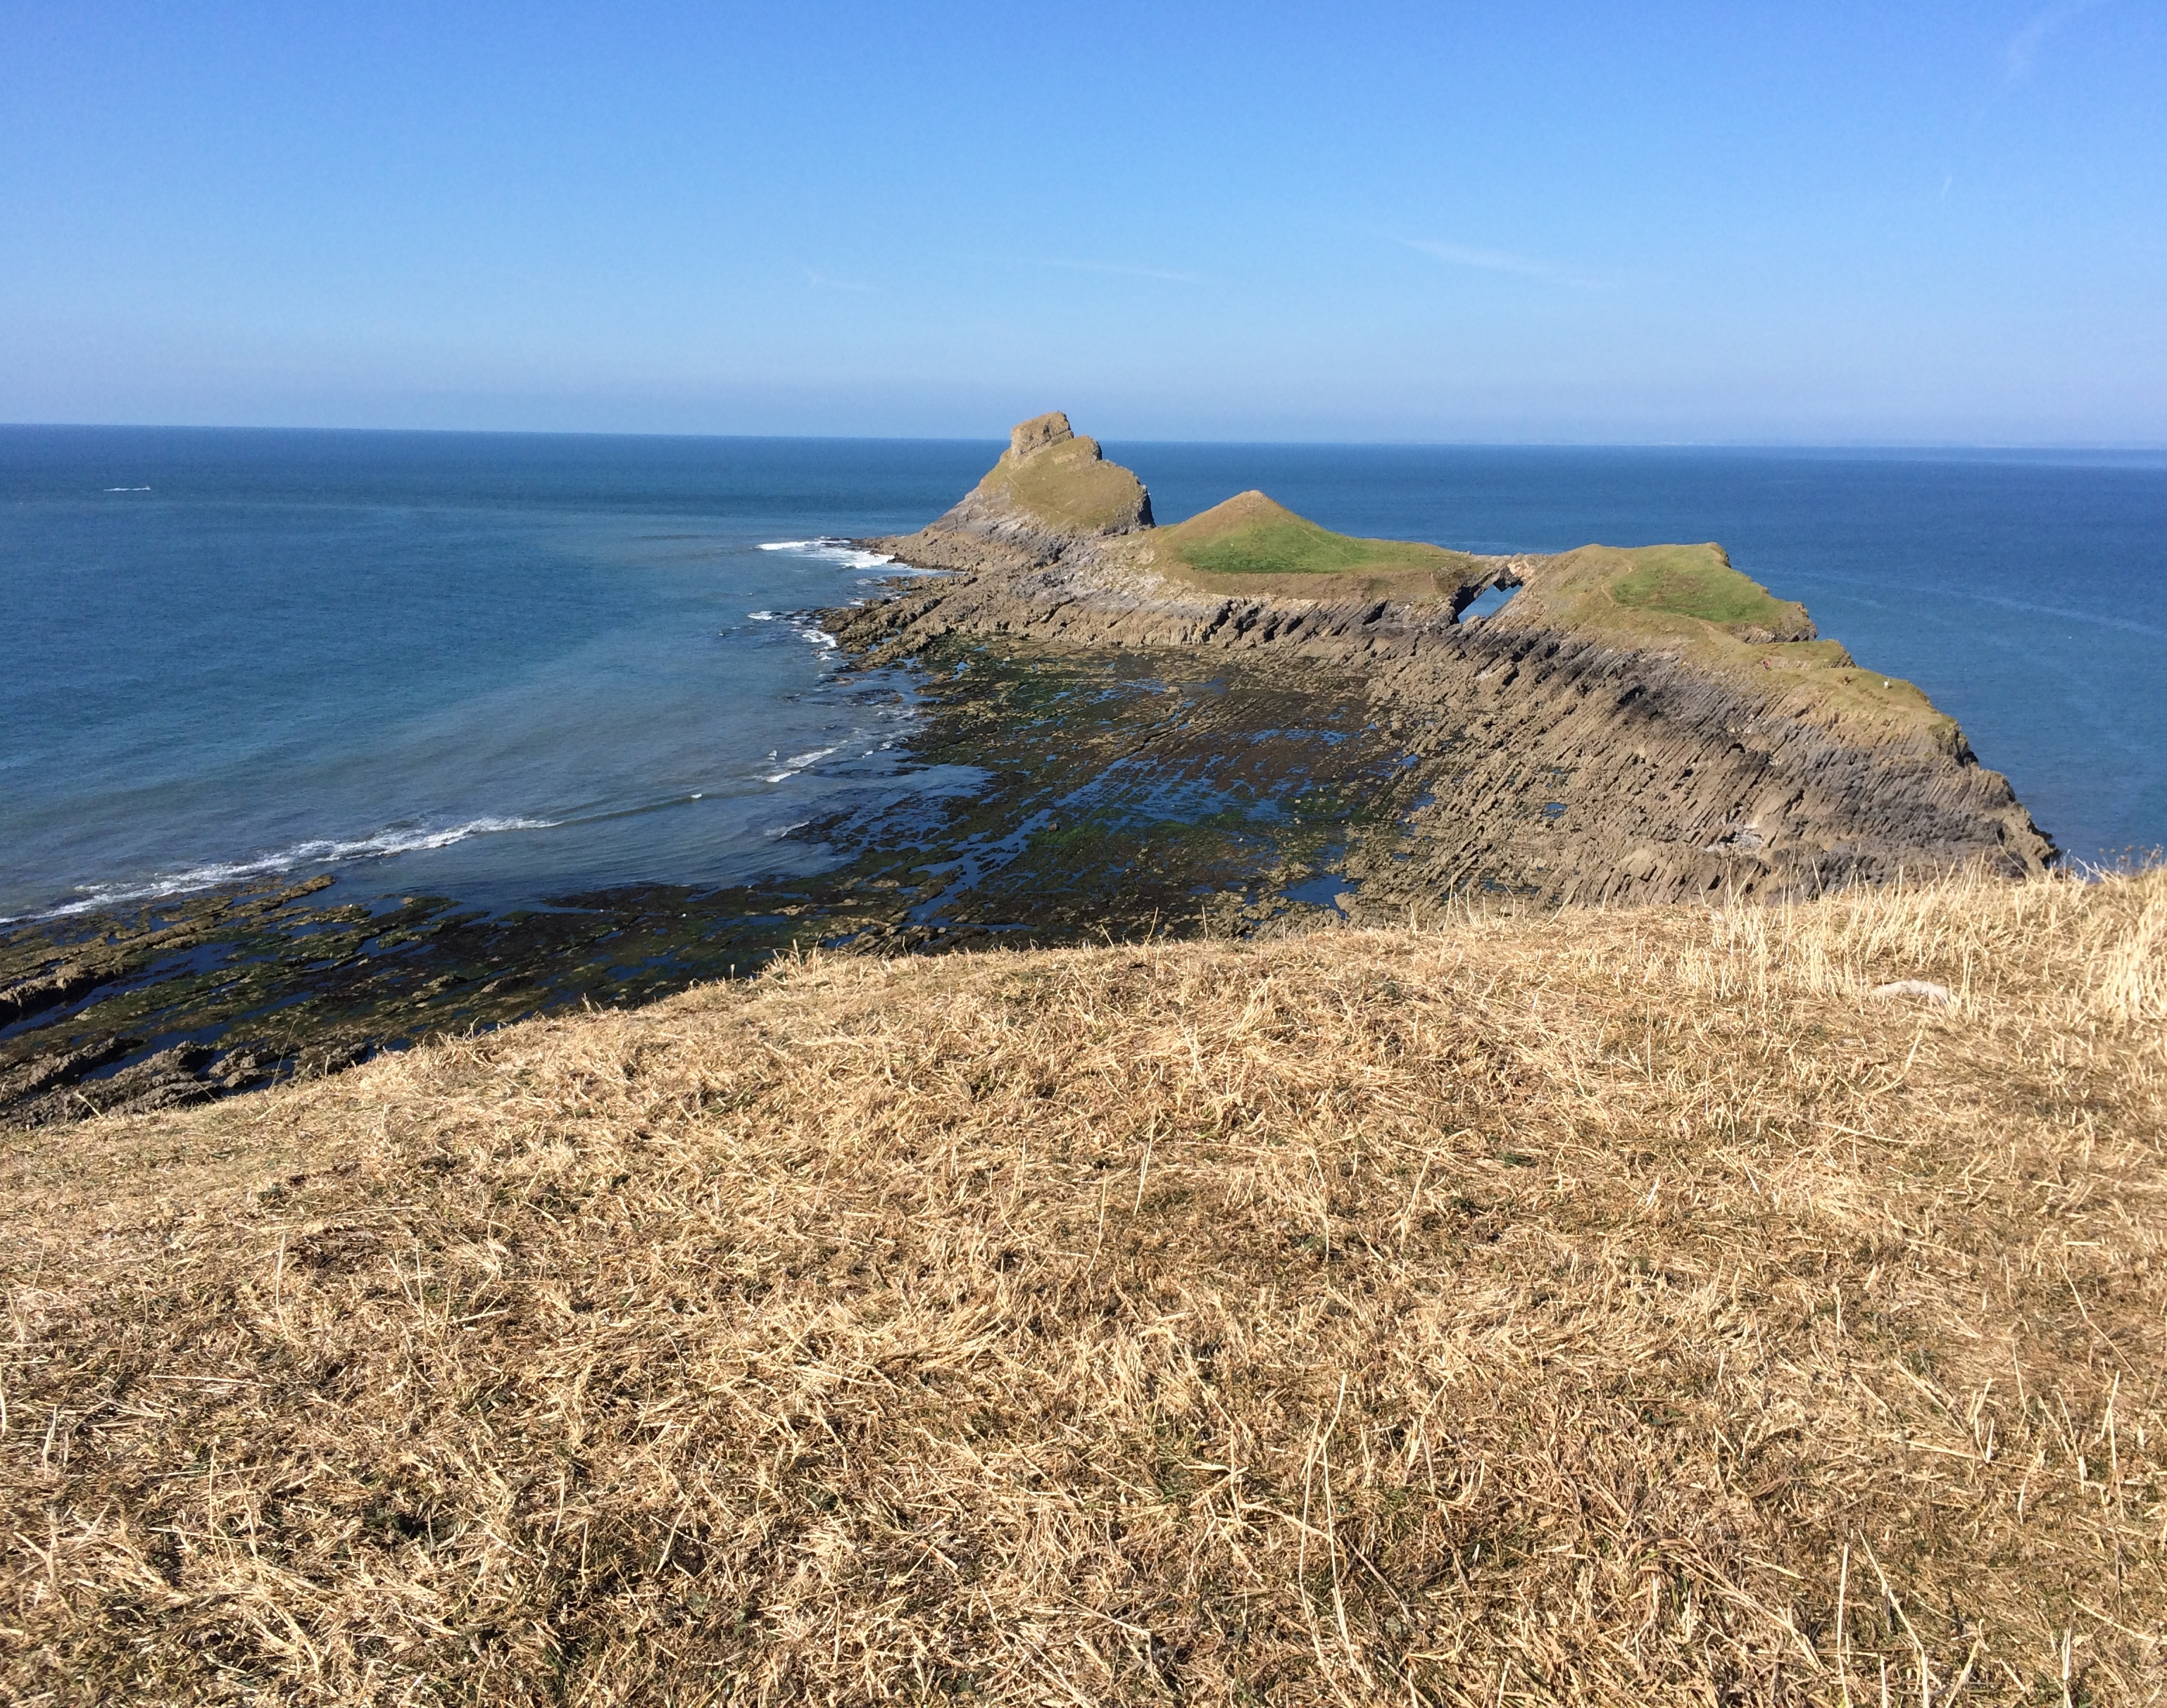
1633,725
1239,724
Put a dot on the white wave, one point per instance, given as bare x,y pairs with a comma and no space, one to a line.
798,761
128,489
830,550
818,637
785,829
760,616
318,852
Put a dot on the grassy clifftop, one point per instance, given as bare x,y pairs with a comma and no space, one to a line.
1658,592
1688,599
1698,581
1251,542
1251,534
1589,1309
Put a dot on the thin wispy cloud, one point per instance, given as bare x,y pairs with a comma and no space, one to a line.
2021,53
1501,261
1061,265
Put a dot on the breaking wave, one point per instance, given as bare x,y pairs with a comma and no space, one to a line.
396,839
841,551
801,762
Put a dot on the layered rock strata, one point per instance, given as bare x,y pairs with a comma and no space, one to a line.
1595,741
1050,493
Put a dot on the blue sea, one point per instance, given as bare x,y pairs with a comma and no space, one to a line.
505,667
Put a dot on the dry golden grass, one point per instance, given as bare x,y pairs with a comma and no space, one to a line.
1592,1308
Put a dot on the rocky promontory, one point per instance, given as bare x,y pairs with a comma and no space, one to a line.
1241,724
1635,725
1051,492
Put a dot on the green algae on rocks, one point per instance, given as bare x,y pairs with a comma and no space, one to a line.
1639,724
1114,800
1242,723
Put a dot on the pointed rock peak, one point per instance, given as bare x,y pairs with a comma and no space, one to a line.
1052,489
1038,432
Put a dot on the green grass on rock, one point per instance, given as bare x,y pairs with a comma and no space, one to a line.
1250,534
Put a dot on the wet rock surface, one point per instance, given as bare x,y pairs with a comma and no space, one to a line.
1127,747
1096,794
1641,725
1561,768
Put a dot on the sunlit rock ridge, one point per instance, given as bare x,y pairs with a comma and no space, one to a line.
1637,723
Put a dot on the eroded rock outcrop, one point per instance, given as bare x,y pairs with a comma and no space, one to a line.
1050,492
1635,725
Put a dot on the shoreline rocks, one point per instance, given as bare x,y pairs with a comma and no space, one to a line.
1159,747
1577,748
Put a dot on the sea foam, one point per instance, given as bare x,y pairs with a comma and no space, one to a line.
841,551
801,762
396,839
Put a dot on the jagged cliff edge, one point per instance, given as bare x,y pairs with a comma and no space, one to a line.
1586,743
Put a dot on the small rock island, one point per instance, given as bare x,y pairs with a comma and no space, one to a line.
1636,724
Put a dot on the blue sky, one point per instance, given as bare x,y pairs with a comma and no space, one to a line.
1758,223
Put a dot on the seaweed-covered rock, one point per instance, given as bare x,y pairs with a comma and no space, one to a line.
1637,724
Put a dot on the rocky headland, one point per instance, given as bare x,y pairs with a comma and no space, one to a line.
1671,1305
1635,725
1240,725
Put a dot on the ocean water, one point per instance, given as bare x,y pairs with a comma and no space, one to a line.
509,667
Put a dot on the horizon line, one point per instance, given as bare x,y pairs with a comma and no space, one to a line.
1560,444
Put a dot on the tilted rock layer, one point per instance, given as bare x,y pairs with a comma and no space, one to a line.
1633,725
1050,492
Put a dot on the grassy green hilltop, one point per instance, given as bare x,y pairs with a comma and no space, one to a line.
1688,596
1251,534
1251,543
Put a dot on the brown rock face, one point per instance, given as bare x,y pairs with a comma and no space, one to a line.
1581,747
1037,433
1050,492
